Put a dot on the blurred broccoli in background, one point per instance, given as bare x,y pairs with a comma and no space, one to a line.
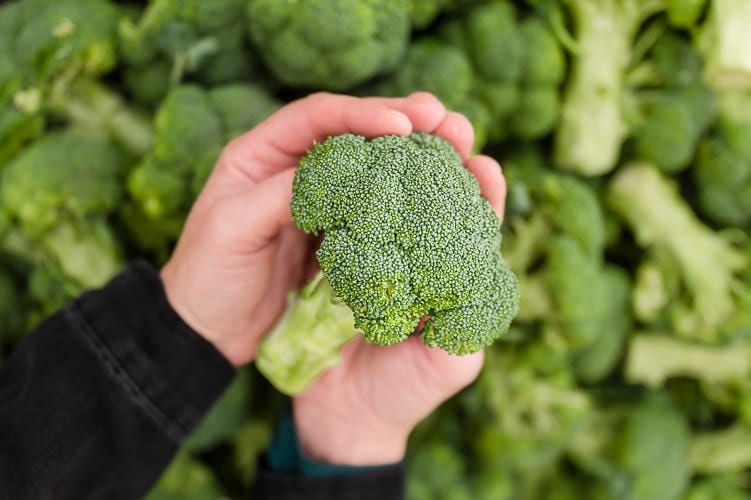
329,44
60,209
190,129
723,167
700,269
174,39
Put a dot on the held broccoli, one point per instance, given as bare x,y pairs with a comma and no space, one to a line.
407,236
327,44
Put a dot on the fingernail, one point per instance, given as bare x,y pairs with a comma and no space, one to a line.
405,125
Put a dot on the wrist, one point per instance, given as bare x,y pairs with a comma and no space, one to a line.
179,304
346,441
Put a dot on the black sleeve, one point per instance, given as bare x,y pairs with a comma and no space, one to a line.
94,403
383,483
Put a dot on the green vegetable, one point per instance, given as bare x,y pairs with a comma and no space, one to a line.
407,236
723,167
706,266
329,44
589,137
61,208
724,43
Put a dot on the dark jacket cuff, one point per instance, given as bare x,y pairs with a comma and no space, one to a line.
381,483
170,371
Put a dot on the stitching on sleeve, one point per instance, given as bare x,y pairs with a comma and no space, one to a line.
112,366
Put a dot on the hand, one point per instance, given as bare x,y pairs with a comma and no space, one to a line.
361,411
239,252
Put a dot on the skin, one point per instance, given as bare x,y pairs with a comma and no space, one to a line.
240,253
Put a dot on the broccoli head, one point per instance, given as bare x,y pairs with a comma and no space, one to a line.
327,44
407,236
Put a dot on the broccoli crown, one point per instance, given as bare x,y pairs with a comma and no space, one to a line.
329,44
63,173
407,235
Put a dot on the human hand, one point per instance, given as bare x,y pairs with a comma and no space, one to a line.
239,253
361,411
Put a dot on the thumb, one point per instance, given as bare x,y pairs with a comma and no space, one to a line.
259,215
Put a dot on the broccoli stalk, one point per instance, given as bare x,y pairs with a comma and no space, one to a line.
726,44
592,127
707,266
92,106
307,338
409,240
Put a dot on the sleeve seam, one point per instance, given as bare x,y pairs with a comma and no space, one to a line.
126,381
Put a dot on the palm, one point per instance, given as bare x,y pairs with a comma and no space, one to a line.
394,386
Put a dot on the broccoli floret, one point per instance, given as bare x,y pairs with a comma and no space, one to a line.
424,12
61,207
592,129
329,44
725,44
723,167
186,479
543,70
241,107
685,13
37,189
54,37
595,361
653,449
174,38
43,47
495,44
433,66
673,108
407,236
536,113
671,124
424,484
190,129
707,266
544,63
525,406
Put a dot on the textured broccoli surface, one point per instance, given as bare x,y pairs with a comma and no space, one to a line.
407,236
330,44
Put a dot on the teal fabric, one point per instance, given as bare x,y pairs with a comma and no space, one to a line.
285,455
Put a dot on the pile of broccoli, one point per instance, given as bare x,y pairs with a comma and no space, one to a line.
624,131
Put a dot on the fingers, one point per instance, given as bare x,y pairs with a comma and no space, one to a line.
488,173
457,129
279,141
424,110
